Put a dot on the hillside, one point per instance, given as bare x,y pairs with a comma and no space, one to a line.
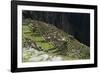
49,41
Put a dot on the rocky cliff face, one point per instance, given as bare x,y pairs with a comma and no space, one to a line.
76,24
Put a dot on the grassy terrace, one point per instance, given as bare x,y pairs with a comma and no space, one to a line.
36,37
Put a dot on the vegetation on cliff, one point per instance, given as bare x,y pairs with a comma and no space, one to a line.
51,41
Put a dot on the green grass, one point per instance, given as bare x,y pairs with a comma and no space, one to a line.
26,56
39,40
25,29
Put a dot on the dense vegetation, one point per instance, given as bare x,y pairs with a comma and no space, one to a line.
50,40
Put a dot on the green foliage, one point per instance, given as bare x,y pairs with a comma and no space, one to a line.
26,55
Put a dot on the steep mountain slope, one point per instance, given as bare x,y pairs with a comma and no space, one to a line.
52,41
